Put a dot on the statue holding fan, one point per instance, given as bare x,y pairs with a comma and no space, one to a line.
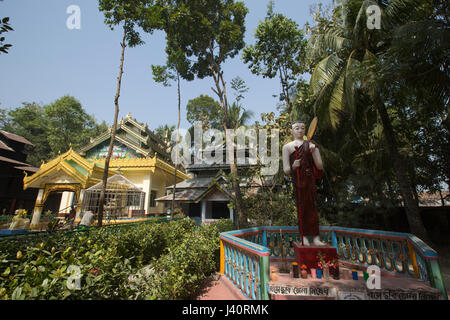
302,160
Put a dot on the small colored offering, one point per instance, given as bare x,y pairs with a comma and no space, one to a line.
355,274
319,274
295,269
313,273
366,275
304,271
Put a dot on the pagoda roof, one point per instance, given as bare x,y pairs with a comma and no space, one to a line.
140,136
75,169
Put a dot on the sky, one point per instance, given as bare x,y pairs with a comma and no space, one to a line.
48,60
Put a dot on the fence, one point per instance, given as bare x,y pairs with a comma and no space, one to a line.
401,254
84,229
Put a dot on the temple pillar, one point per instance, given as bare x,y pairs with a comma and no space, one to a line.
39,205
203,210
64,205
80,201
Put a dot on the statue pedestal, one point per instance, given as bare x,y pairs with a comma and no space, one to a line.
307,255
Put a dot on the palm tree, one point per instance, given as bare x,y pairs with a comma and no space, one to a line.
355,59
238,116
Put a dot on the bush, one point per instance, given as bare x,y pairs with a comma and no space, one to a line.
178,257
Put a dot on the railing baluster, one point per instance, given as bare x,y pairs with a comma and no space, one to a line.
394,252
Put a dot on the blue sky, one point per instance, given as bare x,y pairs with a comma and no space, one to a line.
48,61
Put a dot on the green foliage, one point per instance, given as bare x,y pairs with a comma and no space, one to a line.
4,27
279,51
52,128
177,257
380,99
164,132
278,209
69,124
204,109
130,14
209,112
205,33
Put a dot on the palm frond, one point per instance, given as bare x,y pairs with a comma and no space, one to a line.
397,12
331,40
324,73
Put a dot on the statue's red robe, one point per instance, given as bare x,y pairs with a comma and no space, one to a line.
305,192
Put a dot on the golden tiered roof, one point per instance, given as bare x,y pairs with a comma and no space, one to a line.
85,172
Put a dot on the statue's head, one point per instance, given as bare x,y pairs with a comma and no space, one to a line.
298,129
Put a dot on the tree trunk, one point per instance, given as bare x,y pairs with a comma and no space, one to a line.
222,93
178,127
113,135
411,205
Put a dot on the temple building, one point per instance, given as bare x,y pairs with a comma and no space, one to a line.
206,196
138,155
12,168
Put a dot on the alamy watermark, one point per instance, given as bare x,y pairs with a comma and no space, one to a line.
373,15
212,147
374,280
74,280
74,20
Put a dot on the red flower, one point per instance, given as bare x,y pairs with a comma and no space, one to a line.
94,271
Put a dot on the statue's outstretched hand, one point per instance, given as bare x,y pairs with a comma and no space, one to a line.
296,165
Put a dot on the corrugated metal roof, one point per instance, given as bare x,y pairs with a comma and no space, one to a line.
194,183
15,137
185,195
5,146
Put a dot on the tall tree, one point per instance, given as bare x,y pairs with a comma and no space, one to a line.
165,74
128,14
208,32
279,51
53,128
68,125
356,60
206,110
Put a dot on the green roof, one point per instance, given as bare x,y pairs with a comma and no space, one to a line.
77,167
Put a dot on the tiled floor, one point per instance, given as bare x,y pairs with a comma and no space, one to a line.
221,289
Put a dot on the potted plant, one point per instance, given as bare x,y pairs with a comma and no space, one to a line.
334,268
304,271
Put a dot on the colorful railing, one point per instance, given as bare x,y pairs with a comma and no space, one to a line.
397,253
246,264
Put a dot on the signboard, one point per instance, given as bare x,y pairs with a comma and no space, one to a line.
325,292
322,292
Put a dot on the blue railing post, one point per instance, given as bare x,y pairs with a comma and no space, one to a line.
265,277
334,242
436,279
264,238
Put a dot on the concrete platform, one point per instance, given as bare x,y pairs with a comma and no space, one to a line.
392,288
221,289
